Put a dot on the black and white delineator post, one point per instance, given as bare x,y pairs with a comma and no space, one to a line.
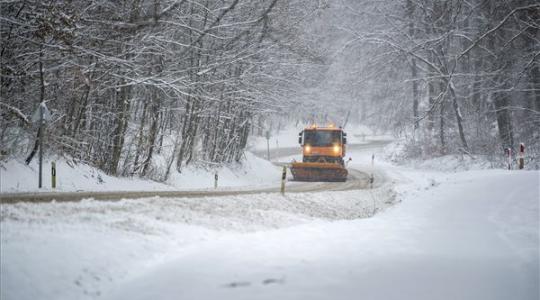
216,180
521,156
508,152
283,177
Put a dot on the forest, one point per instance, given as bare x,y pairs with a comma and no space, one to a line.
136,85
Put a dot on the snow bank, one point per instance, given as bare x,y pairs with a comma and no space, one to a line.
16,176
394,153
82,250
253,171
468,237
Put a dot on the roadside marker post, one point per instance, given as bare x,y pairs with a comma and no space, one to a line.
40,146
372,160
521,156
53,175
283,177
216,180
508,152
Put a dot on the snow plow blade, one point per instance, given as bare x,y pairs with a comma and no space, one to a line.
315,171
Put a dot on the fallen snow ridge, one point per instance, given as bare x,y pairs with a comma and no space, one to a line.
89,247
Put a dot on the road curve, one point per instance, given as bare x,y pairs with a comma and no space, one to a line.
356,180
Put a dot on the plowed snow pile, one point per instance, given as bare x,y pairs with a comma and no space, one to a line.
17,177
78,250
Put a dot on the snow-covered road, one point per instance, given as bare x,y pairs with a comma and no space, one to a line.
76,250
464,235
470,237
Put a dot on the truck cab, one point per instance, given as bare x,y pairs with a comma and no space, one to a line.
323,144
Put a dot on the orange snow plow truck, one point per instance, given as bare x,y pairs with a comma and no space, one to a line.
323,149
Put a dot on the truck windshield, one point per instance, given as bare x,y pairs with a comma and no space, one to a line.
322,138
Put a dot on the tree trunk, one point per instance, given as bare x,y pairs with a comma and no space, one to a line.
459,117
414,69
535,96
534,74
153,131
122,110
441,122
415,94
431,112
139,147
504,121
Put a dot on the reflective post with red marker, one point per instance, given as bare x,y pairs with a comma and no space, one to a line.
521,156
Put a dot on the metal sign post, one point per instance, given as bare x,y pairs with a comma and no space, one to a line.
53,175
41,147
41,115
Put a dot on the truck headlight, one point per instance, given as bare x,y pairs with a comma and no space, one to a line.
337,149
307,148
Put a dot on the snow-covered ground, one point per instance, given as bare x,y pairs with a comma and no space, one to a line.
86,249
430,235
469,237
16,176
